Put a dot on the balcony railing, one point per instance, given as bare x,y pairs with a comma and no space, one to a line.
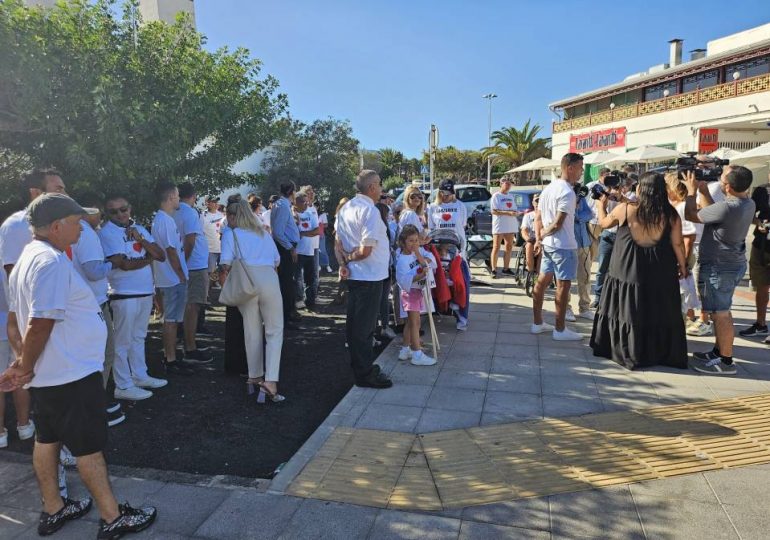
743,87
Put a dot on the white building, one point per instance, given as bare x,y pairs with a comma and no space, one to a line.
166,10
720,97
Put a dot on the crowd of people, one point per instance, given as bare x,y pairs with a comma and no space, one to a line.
671,251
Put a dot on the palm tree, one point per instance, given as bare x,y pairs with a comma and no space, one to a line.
391,161
514,147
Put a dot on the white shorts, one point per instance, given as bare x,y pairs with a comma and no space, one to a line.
6,356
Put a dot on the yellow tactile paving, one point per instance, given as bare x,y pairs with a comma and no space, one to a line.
481,465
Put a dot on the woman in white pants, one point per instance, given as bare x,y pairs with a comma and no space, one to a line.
245,238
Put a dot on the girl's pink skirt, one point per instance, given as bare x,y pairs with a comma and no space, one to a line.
412,300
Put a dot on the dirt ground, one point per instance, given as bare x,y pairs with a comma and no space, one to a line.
207,424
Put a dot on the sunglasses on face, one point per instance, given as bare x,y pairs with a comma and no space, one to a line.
415,196
116,211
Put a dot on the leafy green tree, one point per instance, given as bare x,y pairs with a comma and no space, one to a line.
323,154
371,160
118,106
462,165
392,161
392,182
513,147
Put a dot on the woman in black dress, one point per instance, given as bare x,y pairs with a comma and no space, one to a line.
639,321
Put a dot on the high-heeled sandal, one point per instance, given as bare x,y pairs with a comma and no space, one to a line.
252,384
264,393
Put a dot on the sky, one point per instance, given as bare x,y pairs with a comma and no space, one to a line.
394,67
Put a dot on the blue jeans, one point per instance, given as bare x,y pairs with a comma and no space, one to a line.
306,278
606,243
322,253
717,283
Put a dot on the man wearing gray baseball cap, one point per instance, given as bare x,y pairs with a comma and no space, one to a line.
58,334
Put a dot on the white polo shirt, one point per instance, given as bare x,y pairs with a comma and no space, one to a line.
359,224
167,236
87,249
115,241
45,285
557,197
15,234
504,202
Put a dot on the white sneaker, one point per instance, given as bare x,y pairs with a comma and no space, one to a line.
587,314
150,382
566,335
540,328
300,304
133,393
462,325
388,332
4,439
419,358
767,340
405,353
26,432
700,329
329,269
569,316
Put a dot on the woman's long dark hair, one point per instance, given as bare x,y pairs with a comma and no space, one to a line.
654,209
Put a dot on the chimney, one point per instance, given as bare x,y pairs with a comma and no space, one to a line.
675,52
697,54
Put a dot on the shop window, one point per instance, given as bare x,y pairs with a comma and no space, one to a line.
701,80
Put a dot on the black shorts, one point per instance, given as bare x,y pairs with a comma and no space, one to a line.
74,414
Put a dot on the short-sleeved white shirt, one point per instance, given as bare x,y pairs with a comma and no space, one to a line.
315,241
359,224
15,234
688,227
212,222
45,285
410,217
307,222
88,248
507,203
116,242
528,222
557,197
453,216
188,221
167,236
3,309
255,249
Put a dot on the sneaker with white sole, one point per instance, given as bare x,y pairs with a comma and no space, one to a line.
388,332
540,328
134,393
26,432
113,407
150,382
405,353
566,335
701,329
569,316
767,340
462,326
4,439
329,269
587,314
115,418
419,358
715,366
299,304
755,329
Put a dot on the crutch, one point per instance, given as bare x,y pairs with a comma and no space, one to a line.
429,308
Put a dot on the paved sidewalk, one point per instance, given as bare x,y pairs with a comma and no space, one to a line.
495,373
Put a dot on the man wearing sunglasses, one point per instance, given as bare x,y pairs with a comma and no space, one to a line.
131,287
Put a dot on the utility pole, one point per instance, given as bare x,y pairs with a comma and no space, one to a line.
489,97
432,145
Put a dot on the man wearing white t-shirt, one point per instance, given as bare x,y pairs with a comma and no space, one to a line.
363,253
315,240
58,334
170,275
505,225
212,223
306,274
555,236
130,290
196,254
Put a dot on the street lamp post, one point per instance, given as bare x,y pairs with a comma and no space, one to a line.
489,97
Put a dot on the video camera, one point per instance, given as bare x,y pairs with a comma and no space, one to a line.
611,181
690,163
580,190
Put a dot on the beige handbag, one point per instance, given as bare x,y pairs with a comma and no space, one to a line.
239,286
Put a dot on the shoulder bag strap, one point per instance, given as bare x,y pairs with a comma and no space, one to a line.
240,257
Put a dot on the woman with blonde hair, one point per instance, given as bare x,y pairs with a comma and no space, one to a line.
414,211
245,238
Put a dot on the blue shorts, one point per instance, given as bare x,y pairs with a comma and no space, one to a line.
562,263
716,285
174,302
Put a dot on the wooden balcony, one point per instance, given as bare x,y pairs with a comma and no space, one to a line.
738,88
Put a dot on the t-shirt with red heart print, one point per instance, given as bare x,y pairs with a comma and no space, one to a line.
505,202
452,216
307,222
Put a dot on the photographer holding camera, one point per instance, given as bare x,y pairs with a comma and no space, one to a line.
608,186
759,261
721,257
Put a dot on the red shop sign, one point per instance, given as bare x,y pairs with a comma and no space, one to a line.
598,140
708,140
